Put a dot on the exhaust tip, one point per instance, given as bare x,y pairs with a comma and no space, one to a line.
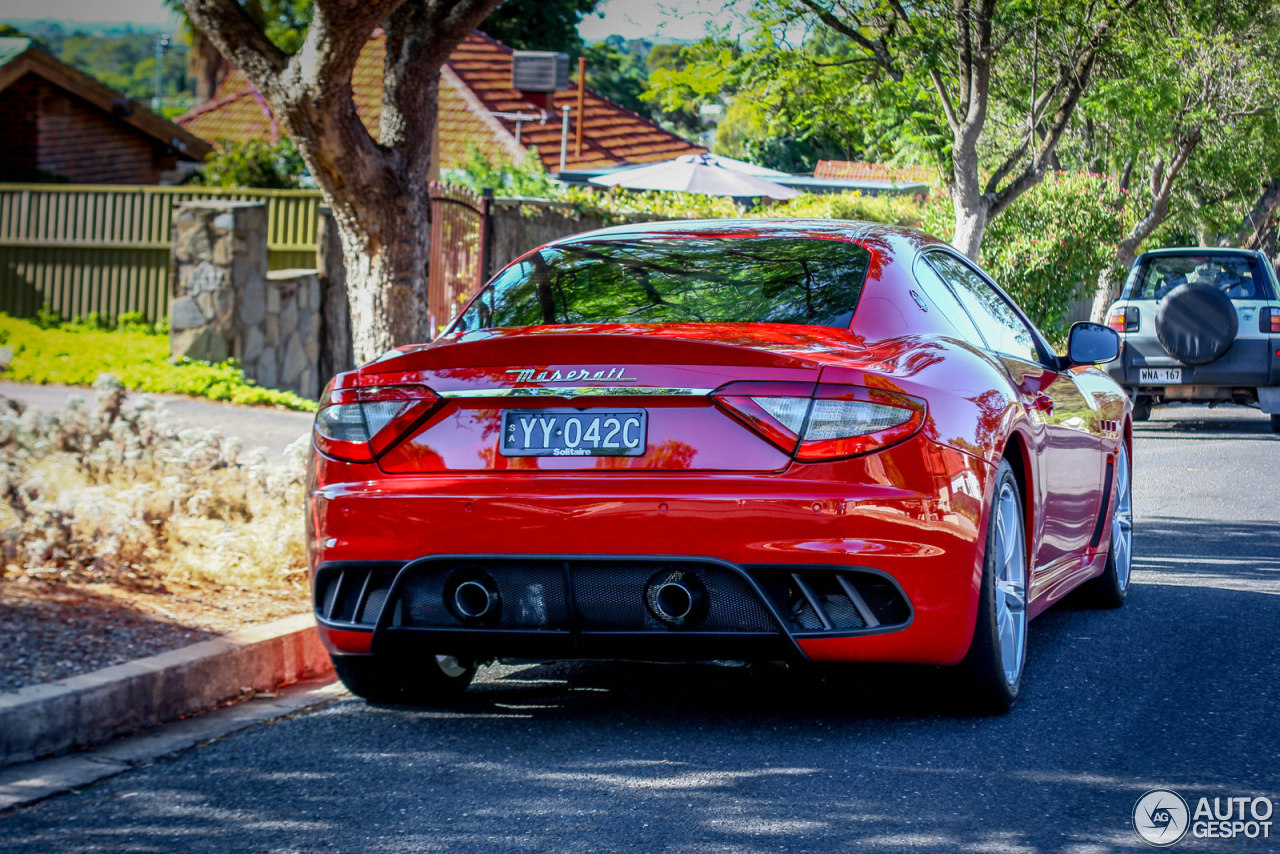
475,600
676,598
673,600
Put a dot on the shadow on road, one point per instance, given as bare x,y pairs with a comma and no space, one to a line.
1203,422
1178,690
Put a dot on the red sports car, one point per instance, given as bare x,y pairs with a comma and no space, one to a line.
752,440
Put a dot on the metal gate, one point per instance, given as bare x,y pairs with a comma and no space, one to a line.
461,247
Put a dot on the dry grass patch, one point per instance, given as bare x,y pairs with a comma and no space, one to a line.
118,494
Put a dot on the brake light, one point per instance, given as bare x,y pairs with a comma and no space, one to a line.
1269,321
828,422
358,424
1126,319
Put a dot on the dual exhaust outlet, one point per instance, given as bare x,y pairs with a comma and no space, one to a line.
673,598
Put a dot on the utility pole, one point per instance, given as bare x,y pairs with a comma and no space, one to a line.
162,42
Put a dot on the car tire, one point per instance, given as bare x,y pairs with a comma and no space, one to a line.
440,682
1142,409
992,669
1196,323
1111,589
1275,423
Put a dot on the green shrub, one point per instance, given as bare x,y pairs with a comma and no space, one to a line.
255,163
77,353
1048,247
528,178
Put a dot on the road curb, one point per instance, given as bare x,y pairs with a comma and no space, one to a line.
45,720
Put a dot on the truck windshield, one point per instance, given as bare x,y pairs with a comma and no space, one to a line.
1238,276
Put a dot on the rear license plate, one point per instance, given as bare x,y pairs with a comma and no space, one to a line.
573,432
1160,376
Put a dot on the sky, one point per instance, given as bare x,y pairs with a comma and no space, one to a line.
664,20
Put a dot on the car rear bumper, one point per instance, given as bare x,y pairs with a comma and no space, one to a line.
411,536
1250,363
576,606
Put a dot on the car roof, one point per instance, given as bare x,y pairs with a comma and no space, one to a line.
1199,250
852,230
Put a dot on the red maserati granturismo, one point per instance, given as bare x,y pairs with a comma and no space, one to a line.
758,440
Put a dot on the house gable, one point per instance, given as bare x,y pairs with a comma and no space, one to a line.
56,121
477,106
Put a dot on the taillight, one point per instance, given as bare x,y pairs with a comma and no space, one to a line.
1269,321
1126,319
827,423
358,424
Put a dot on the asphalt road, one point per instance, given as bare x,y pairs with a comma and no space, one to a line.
272,430
1177,690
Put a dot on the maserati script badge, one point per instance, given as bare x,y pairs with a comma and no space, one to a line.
533,375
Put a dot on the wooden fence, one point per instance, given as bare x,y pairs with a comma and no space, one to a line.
105,249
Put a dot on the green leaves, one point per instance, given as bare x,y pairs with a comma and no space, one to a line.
1050,244
255,164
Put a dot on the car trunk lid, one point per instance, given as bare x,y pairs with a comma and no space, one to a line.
616,397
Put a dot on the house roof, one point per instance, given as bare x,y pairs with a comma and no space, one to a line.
477,105
20,57
856,170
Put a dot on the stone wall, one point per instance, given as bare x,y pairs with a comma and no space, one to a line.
278,340
219,252
225,303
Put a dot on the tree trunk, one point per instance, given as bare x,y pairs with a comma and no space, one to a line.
386,252
206,66
971,224
377,189
1111,279
1255,223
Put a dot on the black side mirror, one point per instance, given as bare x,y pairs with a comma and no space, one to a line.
1092,344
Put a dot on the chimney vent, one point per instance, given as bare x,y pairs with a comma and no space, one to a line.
539,71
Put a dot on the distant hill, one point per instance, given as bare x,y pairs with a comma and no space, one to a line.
42,27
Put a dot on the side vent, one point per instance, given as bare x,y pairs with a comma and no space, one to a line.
816,600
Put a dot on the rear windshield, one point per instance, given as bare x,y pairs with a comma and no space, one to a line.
1238,276
737,280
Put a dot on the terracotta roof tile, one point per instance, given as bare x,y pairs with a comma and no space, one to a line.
860,171
475,83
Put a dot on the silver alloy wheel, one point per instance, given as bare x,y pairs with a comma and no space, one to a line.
1010,576
1122,521
450,666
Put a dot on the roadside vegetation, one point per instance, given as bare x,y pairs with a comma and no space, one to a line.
118,494
46,350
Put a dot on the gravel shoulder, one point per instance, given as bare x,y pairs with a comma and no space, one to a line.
51,630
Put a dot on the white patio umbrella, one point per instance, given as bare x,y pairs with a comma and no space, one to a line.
748,168
696,173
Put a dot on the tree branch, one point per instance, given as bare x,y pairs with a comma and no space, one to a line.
239,39
877,49
1071,83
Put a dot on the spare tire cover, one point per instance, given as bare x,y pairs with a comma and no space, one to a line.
1196,323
